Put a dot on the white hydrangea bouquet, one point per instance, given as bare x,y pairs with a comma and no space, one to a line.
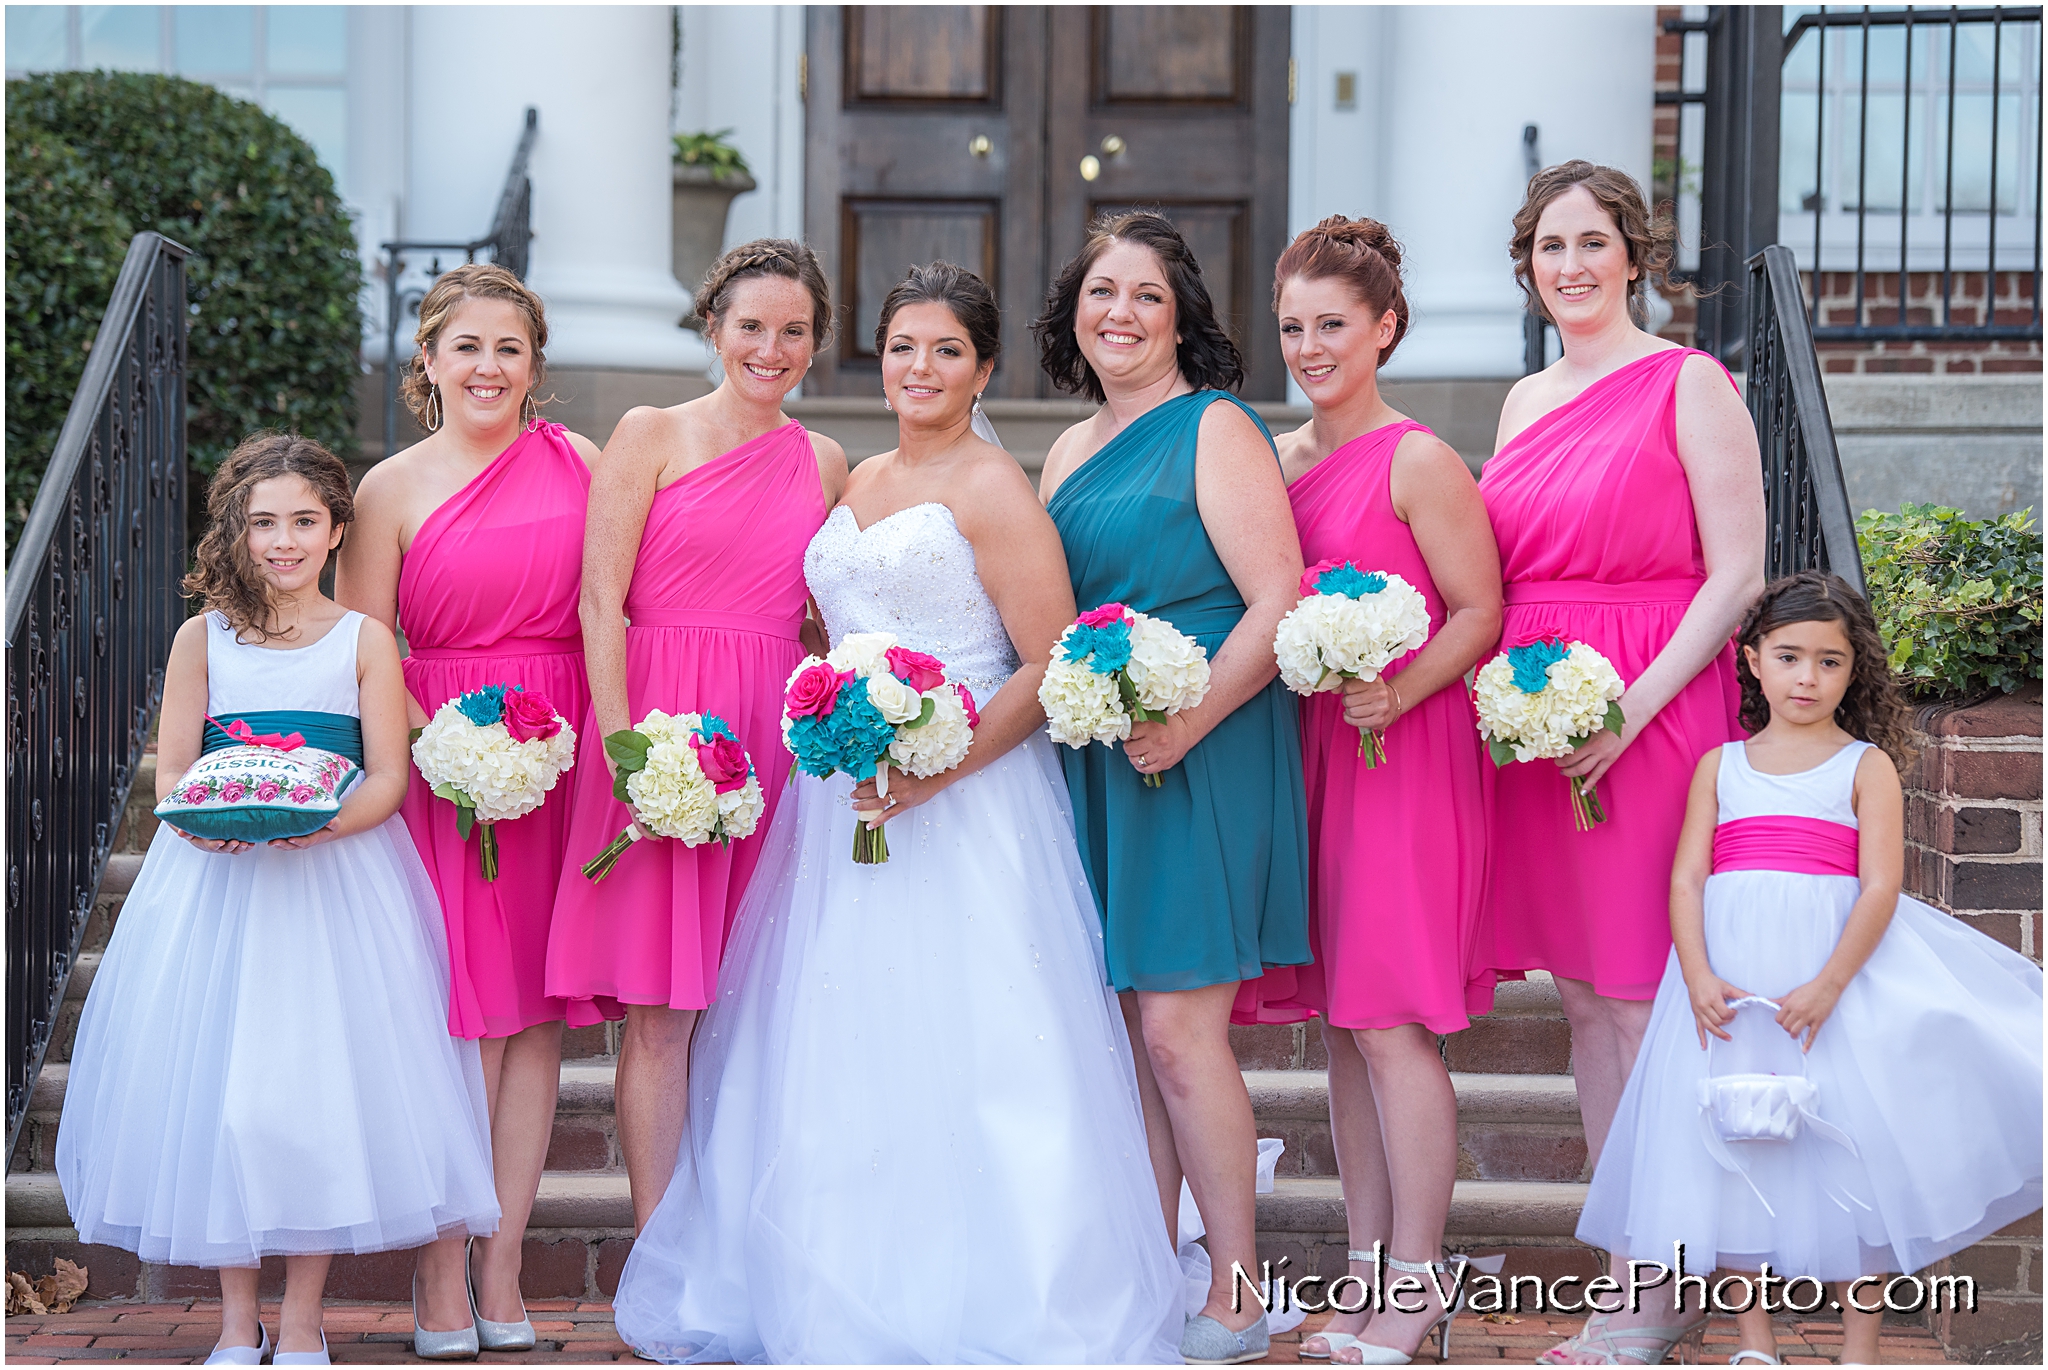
869,704
1542,700
1349,626
1113,667
494,753
687,777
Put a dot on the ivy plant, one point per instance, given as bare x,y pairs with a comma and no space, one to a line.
273,278
713,151
1957,599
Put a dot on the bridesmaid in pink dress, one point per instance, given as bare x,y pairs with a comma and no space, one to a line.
1394,935
1627,496
693,601
472,542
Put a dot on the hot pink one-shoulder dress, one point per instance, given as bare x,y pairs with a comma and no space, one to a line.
713,611
487,596
1598,544
1396,853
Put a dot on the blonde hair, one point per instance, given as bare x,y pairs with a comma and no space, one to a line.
475,281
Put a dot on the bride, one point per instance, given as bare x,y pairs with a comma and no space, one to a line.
914,1133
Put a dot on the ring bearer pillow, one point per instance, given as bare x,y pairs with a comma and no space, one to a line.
266,775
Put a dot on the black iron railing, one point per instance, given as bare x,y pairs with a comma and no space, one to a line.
507,242
1805,501
92,605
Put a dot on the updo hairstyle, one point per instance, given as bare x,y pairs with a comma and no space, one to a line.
959,290
1649,241
1360,252
475,281
1208,359
768,257
223,577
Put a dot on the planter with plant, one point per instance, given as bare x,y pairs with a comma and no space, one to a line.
709,174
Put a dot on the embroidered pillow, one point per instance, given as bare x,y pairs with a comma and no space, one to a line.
250,793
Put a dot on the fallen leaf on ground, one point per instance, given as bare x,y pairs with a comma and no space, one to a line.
1498,1317
54,1293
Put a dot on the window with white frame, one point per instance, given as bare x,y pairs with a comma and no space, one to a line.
290,59
1882,136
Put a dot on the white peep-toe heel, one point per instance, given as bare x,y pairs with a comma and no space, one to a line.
1370,1354
1333,1342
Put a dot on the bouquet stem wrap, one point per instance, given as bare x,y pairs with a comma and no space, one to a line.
871,838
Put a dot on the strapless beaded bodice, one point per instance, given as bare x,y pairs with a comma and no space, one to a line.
911,574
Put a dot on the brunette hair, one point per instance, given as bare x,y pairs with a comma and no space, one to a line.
1207,357
959,290
1874,709
475,281
1649,240
1360,252
782,257
223,578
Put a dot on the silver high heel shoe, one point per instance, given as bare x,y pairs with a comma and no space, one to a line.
497,1336
1436,1274
460,1344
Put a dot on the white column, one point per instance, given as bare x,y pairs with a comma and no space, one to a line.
740,72
599,76
1434,148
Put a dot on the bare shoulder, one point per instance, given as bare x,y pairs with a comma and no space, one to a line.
1425,454
372,635
585,448
647,423
992,479
1231,424
1701,380
1876,766
191,634
830,453
1066,453
386,482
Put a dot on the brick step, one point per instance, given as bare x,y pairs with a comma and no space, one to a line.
581,1228
1510,1127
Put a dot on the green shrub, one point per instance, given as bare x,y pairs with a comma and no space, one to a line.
711,150
1958,599
65,241
273,277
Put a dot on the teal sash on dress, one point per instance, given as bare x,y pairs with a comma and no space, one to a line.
336,733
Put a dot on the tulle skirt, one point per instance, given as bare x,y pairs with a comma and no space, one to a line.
263,1066
1931,1063
914,1128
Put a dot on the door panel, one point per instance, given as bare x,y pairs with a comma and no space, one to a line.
1192,101
878,239
895,176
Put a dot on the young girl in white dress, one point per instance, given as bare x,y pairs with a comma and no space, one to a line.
1921,1035
263,1066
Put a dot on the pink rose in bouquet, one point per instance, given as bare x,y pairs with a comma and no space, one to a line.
814,691
724,762
967,703
529,715
915,669
1103,615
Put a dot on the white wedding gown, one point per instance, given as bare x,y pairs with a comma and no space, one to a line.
914,1127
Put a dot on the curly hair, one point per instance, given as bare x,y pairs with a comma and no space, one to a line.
224,578
959,290
1208,359
1361,253
474,281
784,257
1874,708
1650,241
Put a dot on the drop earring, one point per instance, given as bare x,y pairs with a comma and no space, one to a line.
885,402
434,415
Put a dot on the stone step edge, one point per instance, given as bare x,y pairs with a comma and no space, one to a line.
586,1090
574,1202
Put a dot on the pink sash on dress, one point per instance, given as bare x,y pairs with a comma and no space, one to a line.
1782,842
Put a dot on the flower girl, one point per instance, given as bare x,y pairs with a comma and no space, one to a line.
263,1066
1893,1115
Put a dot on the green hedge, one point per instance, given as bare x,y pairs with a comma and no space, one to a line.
65,241
273,277
1958,599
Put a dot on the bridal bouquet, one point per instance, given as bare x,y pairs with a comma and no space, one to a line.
687,777
1113,667
494,753
868,704
1351,624
1542,700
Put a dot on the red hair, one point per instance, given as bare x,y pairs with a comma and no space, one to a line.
1361,253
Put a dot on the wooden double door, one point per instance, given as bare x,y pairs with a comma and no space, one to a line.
990,135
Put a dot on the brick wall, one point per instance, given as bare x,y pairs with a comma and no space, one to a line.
1683,327
1973,849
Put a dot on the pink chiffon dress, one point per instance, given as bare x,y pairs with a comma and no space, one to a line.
713,610
1396,853
1598,544
487,596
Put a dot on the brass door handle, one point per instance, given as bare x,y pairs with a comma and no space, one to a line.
980,146
1112,146
1091,167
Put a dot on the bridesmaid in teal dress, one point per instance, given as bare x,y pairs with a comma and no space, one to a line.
1169,499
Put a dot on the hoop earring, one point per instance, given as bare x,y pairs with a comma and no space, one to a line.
434,414
529,411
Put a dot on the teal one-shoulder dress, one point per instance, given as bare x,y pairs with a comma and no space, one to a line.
1203,881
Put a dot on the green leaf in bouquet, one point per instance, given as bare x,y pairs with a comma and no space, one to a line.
446,790
619,779
1613,722
1500,751
414,735
465,819
1129,693
627,749
924,715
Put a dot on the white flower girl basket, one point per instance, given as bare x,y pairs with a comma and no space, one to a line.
1760,1107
